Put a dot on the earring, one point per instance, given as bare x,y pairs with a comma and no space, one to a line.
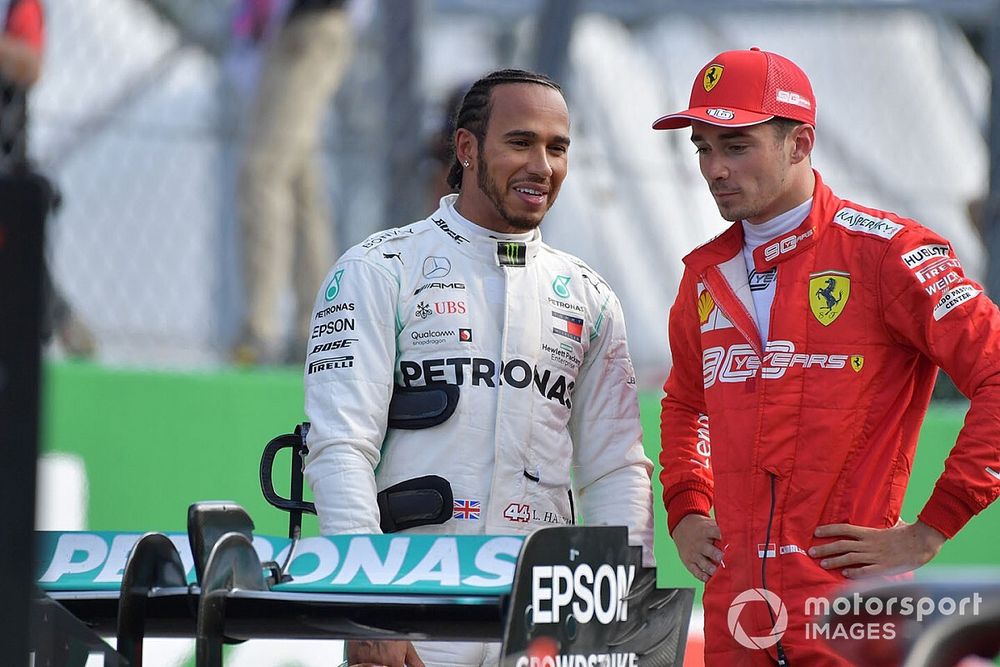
466,164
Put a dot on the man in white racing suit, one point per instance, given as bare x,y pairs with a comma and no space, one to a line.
533,338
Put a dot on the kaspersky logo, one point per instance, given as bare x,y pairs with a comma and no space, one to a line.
333,289
778,613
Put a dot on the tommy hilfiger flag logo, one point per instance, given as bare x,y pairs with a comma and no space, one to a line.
465,509
568,326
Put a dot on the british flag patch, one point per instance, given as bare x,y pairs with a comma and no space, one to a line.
465,509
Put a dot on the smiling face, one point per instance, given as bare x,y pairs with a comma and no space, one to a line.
515,172
755,173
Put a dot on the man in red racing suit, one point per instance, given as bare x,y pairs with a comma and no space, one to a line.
799,422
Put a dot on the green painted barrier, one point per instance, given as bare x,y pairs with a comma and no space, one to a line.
153,442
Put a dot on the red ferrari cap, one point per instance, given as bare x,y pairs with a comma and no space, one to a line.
739,88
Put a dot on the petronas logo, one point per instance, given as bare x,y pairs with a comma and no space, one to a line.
333,289
511,253
561,287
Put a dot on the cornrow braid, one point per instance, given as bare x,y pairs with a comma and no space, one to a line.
474,112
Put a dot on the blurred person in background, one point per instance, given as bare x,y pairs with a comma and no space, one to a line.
21,44
546,419
252,27
285,219
439,152
805,342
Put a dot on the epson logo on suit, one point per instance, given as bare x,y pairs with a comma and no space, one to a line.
333,326
589,595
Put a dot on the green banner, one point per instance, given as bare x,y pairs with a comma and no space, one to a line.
443,564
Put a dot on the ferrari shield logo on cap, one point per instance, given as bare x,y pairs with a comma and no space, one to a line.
828,294
712,76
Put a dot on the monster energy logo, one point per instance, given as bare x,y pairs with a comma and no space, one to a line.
560,286
511,253
333,289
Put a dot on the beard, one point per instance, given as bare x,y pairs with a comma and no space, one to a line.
733,214
492,191
758,200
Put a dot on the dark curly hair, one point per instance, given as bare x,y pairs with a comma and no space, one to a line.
474,112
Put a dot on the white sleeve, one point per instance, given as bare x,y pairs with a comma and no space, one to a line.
611,472
348,385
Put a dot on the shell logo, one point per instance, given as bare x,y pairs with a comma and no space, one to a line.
706,304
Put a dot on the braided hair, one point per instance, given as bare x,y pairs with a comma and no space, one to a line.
474,112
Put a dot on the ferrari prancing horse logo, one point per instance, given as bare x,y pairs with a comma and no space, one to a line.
828,294
712,76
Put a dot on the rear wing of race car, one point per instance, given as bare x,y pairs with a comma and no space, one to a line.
575,592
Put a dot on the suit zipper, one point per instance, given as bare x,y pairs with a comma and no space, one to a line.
779,649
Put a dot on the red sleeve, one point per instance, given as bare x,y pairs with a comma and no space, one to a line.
27,24
932,305
686,474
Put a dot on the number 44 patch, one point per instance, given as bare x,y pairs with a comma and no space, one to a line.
518,513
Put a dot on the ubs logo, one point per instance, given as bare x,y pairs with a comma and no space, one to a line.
436,267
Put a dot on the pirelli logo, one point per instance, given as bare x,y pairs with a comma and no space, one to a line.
330,363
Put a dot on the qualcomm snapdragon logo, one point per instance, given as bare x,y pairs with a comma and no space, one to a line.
779,614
